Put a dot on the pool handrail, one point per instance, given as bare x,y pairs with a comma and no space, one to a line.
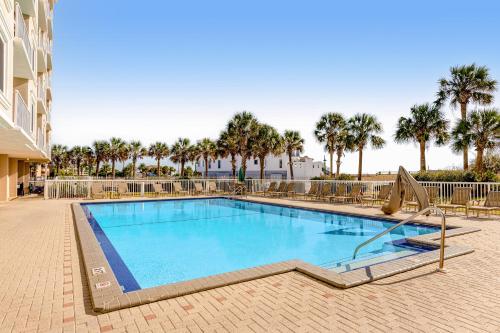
409,219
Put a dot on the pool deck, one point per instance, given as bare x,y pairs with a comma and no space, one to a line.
43,287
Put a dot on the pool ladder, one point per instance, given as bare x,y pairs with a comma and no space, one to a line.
409,219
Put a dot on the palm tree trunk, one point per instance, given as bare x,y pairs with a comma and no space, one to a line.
261,161
206,167
479,160
233,165
244,165
78,168
182,168
331,164
291,165
134,162
97,162
422,156
158,171
360,162
339,156
463,111
113,168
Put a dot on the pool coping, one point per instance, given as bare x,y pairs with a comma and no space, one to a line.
107,295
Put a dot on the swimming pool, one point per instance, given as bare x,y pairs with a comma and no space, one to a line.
152,243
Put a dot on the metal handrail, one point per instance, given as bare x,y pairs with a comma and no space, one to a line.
422,212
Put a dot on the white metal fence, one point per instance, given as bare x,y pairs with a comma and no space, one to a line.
82,188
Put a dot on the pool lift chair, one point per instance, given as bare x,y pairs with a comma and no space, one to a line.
405,181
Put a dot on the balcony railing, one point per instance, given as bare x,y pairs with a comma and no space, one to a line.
24,118
21,31
43,41
40,139
42,94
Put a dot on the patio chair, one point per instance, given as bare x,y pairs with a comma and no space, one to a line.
212,188
340,192
491,203
198,189
326,191
382,196
177,189
352,196
158,189
97,191
459,199
270,189
289,190
313,191
432,192
122,190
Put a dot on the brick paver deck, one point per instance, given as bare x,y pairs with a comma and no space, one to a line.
43,288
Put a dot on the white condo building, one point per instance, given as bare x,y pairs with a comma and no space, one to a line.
275,167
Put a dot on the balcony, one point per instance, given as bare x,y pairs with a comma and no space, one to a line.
23,49
41,97
28,7
49,87
42,52
23,116
43,14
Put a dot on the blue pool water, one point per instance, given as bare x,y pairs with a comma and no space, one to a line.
151,243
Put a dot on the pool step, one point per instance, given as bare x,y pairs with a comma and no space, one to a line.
350,265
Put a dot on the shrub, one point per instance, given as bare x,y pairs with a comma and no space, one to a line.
455,176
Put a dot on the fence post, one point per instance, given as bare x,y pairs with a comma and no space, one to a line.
89,189
142,189
57,189
45,189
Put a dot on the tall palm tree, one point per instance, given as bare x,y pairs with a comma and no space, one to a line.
124,154
58,156
243,126
227,145
478,130
468,83
101,150
89,158
343,143
266,141
364,129
181,152
292,142
76,156
115,152
158,150
426,123
206,149
137,151
327,131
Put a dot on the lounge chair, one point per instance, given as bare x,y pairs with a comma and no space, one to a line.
158,189
313,191
289,190
122,190
198,189
177,189
326,191
270,189
352,196
97,191
281,189
340,192
382,196
432,192
491,203
459,199
212,188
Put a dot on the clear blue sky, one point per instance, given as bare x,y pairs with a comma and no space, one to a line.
157,70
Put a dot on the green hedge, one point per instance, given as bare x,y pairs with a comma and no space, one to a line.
455,176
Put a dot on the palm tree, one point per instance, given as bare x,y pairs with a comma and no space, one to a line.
89,158
101,150
479,130
266,141
468,83
227,145
327,131
143,169
124,154
243,126
58,156
76,156
343,143
115,152
181,152
425,123
292,143
364,129
137,151
158,150
206,149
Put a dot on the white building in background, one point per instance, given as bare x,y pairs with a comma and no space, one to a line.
275,167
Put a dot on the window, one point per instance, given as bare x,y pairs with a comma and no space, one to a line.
281,164
218,164
255,162
2,65
210,165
